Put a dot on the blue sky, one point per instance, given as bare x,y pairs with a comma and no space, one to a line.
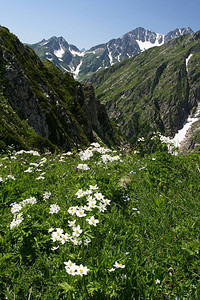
86,23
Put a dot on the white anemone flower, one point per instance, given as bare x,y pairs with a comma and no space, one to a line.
72,210
102,207
99,196
64,237
93,187
71,223
118,265
71,270
80,212
106,201
54,248
81,270
92,221
54,208
77,231
80,193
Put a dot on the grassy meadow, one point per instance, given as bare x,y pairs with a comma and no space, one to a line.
99,224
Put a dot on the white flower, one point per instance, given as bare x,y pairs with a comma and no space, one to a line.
69,264
31,200
87,208
54,208
46,195
118,265
86,242
157,281
81,270
29,170
83,167
40,177
16,208
102,207
71,270
64,237
106,201
80,193
77,231
72,210
58,232
50,230
92,221
111,270
1,179
15,222
88,192
96,145
93,187
92,203
71,223
69,153
98,196
11,177
54,248
75,241
80,212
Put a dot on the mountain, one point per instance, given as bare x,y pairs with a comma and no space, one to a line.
40,107
155,90
84,63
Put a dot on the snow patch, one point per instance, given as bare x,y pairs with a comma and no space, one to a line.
79,53
110,56
181,134
187,60
147,44
59,53
76,72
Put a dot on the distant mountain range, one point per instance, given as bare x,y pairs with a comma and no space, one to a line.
82,64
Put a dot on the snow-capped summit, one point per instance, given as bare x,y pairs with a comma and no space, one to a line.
82,63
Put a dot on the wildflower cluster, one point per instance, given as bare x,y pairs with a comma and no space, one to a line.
46,196
17,207
83,167
95,147
54,209
73,269
33,152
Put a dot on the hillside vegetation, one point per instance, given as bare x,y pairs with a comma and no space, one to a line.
50,109
154,90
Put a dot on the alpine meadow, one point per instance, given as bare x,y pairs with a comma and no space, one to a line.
99,199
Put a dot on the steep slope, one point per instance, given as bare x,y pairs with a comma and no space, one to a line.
51,106
84,63
155,90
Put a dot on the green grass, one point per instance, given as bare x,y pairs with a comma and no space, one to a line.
150,227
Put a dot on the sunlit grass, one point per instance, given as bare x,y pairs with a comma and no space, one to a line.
99,224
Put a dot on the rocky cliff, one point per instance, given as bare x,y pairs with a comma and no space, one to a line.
50,107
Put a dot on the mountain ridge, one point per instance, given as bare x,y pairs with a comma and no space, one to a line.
83,64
